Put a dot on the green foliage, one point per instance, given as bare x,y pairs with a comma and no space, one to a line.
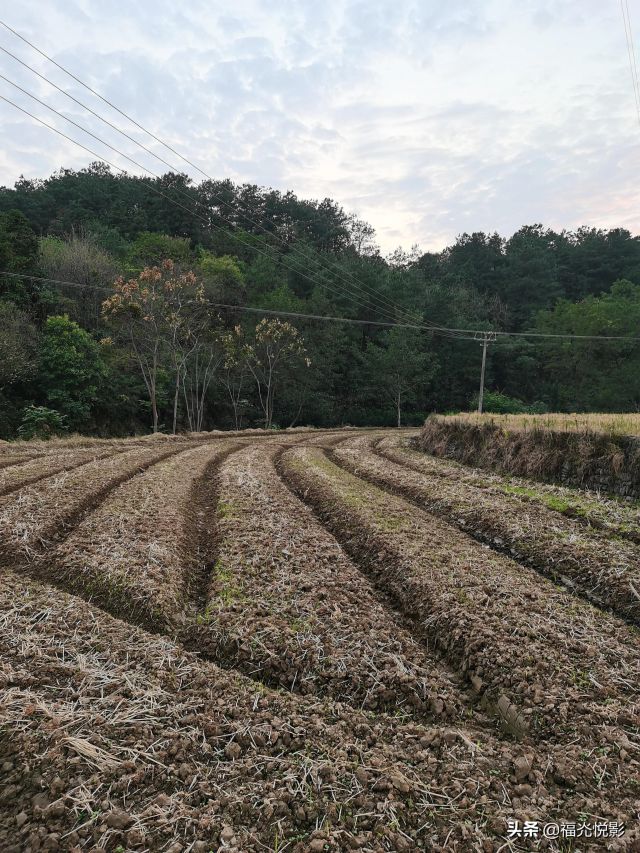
500,404
72,370
587,375
397,366
18,341
109,239
223,277
150,249
287,254
41,422
18,254
18,243
80,260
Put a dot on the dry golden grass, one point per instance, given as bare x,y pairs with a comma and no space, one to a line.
614,423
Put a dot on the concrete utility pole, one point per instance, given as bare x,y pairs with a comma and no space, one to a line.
485,337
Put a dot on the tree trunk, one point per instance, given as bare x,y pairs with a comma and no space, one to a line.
154,408
269,408
175,401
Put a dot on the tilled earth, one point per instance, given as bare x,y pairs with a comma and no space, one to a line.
591,558
304,642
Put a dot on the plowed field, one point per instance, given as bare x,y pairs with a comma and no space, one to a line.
311,641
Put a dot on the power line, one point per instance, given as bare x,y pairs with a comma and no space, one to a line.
449,332
390,303
244,308
355,298
131,160
628,32
477,335
153,189
324,267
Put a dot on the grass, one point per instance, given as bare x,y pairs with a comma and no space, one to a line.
594,451
551,501
226,589
225,508
613,424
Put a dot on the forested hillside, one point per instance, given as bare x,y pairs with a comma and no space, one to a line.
143,339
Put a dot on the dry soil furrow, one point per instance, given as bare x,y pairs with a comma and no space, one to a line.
120,540
112,737
40,516
332,439
32,471
602,570
203,533
10,461
132,553
618,516
549,665
285,604
125,542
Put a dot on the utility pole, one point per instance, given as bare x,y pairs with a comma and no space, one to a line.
486,338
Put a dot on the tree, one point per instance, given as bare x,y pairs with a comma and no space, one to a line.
274,344
200,355
41,422
186,334
479,260
77,259
18,345
362,236
398,366
18,243
199,369
223,278
71,370
151,249
594,375
531,275
18,254
234,370
153,313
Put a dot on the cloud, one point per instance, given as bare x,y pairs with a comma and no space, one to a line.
427,119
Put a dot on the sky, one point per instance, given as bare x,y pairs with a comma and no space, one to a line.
427,119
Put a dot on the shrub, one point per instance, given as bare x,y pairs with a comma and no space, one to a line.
41,422
501,404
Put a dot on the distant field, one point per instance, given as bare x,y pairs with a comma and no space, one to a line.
615,424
